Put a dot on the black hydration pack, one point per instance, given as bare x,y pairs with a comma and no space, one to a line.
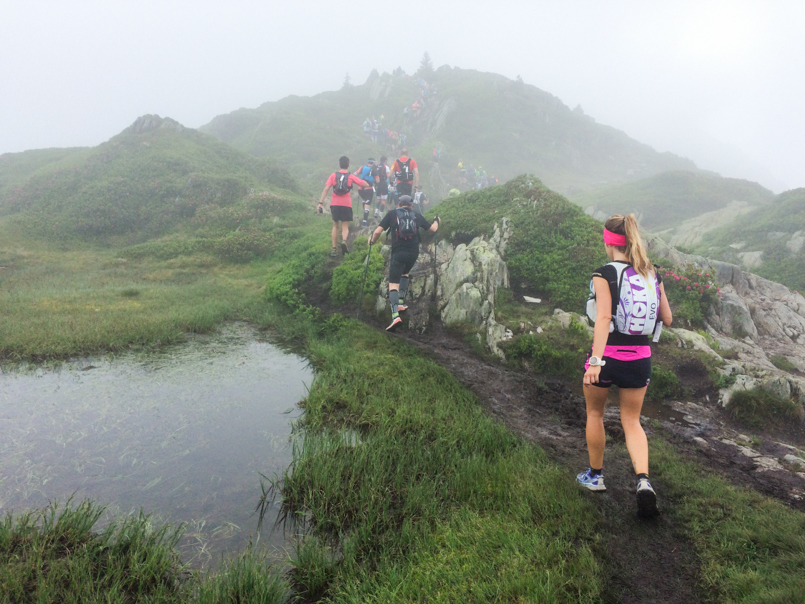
342,186
405,174
406,224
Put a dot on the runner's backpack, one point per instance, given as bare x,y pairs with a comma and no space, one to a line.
367,174
406,224
634,312
342,186
405,174
378,172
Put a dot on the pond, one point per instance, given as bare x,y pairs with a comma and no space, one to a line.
183,433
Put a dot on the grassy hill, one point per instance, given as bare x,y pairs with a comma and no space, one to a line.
141,183
663,201
506,126
769,239
16,168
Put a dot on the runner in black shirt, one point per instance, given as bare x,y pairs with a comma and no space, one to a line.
403,225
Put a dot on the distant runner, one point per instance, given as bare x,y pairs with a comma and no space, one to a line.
420,201
341,183
628,304
382,186
367,173
403,225
406,174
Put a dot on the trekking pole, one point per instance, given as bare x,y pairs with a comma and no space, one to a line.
365,272
435,260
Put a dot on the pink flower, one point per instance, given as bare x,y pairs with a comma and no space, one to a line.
707,285
696,284
688,286
677,278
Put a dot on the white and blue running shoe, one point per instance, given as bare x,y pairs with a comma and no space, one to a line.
594,483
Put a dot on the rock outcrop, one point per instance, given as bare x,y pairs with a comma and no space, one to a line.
462,283
757,320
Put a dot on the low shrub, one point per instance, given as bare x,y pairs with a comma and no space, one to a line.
244,246
691,293
545,357
782,362
757,408
348,276
664,384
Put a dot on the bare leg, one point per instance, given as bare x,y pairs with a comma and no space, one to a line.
596,437
636,443
344,231
335,233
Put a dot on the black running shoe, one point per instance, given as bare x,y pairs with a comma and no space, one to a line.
646,499
344,249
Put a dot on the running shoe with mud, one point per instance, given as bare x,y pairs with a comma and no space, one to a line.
395,323
344,249
646,499
593,482
401,308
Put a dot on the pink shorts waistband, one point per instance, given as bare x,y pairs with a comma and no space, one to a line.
627,353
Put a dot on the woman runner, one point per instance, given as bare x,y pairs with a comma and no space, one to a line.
621,353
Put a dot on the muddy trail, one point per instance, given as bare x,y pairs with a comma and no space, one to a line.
647,560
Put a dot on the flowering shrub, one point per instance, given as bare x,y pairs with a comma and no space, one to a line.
691,292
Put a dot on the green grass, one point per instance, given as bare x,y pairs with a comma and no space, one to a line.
751,548
59,554
428,495
781,362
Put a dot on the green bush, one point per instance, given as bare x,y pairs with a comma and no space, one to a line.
544,356
348,276
244,246
664,384
758,408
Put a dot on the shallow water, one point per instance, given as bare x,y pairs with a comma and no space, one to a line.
183,433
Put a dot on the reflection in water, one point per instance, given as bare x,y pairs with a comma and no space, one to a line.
183,434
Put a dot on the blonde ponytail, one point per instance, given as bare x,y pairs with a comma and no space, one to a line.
635,250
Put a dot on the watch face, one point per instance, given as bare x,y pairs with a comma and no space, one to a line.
594,361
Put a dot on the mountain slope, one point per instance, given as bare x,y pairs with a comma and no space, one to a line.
770,240
665,200
16,168
506,126
144,181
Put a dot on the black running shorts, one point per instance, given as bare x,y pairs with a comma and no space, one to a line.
367,194
401,264
341,213
382,188
625,374
404,188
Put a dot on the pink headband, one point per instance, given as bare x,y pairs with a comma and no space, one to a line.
614,239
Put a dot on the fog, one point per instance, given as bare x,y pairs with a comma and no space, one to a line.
714,81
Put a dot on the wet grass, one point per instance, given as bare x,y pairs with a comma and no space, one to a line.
409,489
58,554
752,548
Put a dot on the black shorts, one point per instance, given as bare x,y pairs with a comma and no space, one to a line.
341,213
404,188
382,188
401,264
625,374
367,195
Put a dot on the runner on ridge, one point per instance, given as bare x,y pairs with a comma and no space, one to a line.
628,304
406,173
341,183
403,225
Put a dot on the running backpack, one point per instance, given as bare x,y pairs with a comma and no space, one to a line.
405,174
634,312
342,186
377,171
406,224
367,174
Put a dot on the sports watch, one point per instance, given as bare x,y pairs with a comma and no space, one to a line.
596,362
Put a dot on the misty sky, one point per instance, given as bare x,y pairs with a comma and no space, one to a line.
719,82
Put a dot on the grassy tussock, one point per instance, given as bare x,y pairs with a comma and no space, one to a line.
58,554
752,547
420,492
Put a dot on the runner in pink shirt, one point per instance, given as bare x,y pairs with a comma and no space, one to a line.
341,183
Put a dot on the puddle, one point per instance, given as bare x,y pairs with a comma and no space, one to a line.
183,433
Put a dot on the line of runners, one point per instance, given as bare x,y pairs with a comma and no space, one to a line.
627,304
